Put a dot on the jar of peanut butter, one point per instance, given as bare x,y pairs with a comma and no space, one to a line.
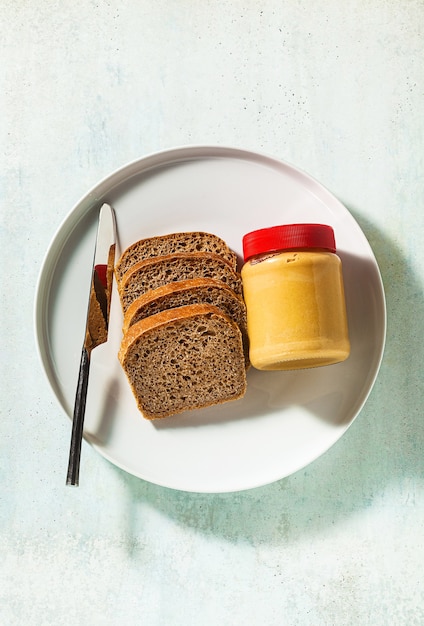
293,289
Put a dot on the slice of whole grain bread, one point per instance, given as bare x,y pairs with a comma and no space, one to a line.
185,358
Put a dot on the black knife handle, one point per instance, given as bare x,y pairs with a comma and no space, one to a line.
78,420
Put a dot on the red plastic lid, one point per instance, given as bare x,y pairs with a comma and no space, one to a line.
288,237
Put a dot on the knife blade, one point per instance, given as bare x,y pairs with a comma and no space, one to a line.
96,330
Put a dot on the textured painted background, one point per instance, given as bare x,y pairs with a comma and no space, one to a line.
334,87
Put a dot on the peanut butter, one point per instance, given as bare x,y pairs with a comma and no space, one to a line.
296,314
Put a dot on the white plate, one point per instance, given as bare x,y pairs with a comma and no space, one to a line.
287,419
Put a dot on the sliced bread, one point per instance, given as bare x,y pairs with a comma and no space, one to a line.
185,358
193,291
158,271
171,244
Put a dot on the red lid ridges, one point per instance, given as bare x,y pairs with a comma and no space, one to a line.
288,237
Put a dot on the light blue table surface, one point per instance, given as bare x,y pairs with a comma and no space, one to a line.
334,87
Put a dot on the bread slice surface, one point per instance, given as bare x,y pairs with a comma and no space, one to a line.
159,271
184,358
173,243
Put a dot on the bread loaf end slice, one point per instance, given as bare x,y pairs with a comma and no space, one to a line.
181,359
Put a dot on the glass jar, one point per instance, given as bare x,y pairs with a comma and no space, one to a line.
294,294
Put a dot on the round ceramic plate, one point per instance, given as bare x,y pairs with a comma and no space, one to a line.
286,419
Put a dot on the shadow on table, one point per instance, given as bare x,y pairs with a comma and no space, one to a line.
382,448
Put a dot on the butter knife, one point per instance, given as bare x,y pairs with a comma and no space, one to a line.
96,331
